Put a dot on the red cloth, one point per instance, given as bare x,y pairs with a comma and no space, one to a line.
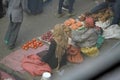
13,60
34,65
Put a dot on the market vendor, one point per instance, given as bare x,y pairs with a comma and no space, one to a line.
56,56
86,37
114,5
15,16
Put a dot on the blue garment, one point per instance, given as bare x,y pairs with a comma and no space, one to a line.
35,6
61,2
115,6
99,7
116,11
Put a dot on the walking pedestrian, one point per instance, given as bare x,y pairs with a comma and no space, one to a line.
15,14
69,7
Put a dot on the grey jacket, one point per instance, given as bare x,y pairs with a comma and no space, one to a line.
85,38
15,10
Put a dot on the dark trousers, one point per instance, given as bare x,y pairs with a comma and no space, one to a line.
1,8
116,12
115,6
61,2
99,7
12,33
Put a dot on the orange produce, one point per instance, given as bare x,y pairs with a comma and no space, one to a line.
78,23
26,48
67,23
72,21
33,40
32,44
74,26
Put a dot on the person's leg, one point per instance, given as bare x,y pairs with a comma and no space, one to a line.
70,12
1,6
66,4
1,9
11,34
8,33
116,13
71,2
14,34
60,13
60,6
99,7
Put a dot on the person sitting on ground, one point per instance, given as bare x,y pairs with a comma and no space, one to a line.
56,56
86,37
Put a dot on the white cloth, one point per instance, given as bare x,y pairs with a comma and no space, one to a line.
103,25
112,32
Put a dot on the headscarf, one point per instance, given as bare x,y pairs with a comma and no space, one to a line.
89,22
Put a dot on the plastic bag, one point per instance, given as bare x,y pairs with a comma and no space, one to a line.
100,41
74,55
103,25
112,32
92,51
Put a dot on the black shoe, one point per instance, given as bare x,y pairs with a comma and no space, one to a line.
11,46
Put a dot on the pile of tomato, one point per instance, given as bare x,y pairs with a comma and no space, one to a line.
34,44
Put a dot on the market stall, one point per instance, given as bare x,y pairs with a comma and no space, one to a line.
77,55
